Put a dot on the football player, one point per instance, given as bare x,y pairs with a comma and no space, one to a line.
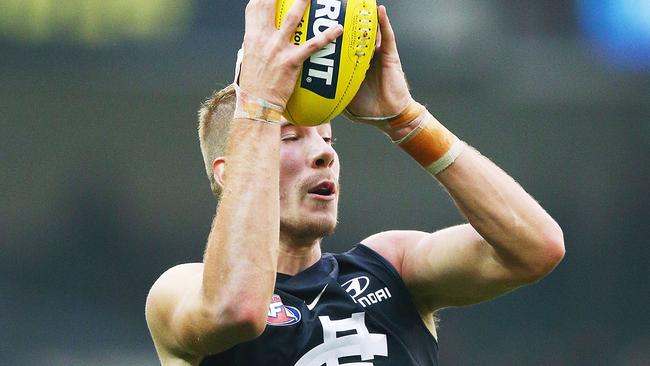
265,294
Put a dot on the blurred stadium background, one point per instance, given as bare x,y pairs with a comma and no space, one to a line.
103,185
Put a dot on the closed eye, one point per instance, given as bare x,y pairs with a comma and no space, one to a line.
330,140
290,138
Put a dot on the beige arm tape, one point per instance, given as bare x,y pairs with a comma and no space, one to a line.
256,109
432,145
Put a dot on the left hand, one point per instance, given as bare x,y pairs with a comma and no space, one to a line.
384,92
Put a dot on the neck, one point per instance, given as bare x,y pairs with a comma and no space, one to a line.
295,255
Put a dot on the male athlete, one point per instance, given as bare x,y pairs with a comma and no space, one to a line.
266,295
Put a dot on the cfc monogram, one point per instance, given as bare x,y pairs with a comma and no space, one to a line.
362,344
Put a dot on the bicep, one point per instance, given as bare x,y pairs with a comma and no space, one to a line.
454,267
165,307
450,267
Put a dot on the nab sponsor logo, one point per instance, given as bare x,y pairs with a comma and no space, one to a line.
356,288
280,315
320,72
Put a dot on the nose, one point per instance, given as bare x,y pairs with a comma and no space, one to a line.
323,155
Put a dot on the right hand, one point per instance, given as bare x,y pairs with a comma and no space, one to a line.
272,63
384,92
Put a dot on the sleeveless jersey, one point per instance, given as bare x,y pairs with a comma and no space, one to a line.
347,309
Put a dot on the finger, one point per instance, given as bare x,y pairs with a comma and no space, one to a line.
294,15
318,42
378,41
261,12
387,34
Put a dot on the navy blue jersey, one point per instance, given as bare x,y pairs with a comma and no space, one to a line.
347,309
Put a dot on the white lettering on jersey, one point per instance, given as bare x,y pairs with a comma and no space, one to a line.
363,343
357,286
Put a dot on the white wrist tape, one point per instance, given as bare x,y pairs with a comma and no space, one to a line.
446,160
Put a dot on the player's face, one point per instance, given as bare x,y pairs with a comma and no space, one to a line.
309,188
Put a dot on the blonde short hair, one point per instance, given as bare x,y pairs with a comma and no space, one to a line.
215,116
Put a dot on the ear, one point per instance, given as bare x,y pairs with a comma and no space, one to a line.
218,169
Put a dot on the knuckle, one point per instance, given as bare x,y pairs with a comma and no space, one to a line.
290,19
313,46
287,60
251,39
252,6
266,4
295,15
283,59
293,61
275,45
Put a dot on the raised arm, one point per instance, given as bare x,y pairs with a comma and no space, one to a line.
200,309
509,241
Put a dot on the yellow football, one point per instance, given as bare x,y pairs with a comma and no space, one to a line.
332,76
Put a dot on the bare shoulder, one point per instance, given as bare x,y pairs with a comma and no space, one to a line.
392,244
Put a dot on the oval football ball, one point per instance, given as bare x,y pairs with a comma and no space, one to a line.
332,76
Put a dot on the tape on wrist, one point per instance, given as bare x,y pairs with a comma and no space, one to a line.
256,109
431,144
411,113
252,107
385,123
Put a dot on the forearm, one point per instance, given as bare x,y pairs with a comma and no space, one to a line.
508,218
501,211
241,255
206,309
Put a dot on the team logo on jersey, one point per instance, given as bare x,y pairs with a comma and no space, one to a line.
280,315
356,288
347,337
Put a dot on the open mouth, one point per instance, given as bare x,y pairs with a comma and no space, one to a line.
324,189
